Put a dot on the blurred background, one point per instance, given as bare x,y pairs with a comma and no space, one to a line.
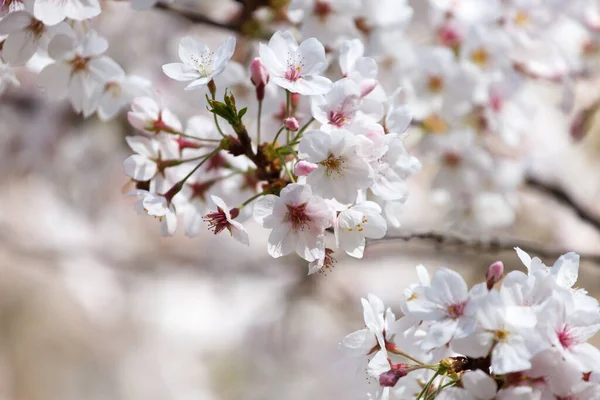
95,304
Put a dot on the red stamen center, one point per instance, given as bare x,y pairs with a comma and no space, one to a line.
565,338
296,215
217,221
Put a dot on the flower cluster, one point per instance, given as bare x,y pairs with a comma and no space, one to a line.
465,68
519,336
331,158
327,113
52,37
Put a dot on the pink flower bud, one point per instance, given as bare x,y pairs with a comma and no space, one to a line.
494,274
259,77
291,124
367,87
450,35
303,168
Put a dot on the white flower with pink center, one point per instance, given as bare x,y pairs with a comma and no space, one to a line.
298,220
151,117
296,68
26,35
79,68
447,303
223,219
353,65
342,169
337,108
198,63
568,328
505,330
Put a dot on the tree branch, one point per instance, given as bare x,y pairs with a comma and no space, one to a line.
560,195
197,18
481,244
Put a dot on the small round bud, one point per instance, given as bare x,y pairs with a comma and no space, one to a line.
494,274
291,124
259,77
450,35
303,168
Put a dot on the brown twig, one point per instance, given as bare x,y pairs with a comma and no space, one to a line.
493,245
563,197
197,18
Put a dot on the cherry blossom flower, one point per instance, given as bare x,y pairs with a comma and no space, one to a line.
342,170
198,64
79,68
150,158
506,330
117,92
392,165
10,6
568,329
327,20
158,207
149,116
51,12
326,263
337,108
25,35
564,271
296,68
223,219
353,225
353,65
447,302
298,220
377,321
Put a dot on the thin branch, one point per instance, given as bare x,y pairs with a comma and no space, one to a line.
563,197
492,245
197,18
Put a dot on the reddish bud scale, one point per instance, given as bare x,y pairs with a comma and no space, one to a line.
391,377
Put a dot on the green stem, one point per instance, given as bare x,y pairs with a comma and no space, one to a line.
278,133
217,124
301,131
190,136
258,121
179,185
251,199
194,159
206,158
287,170
439,389
392,348
425,390
288,105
